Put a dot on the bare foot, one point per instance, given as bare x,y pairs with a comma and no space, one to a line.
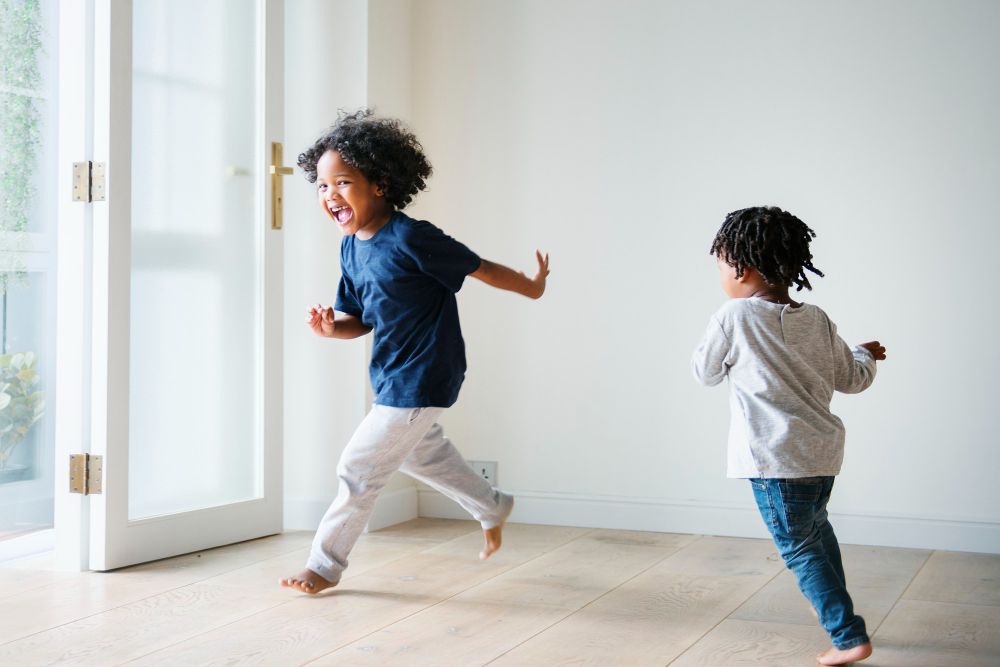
836,656
307,581
493,539
494,536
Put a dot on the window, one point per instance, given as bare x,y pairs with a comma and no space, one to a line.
28,205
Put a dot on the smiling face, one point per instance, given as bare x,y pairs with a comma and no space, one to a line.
353,202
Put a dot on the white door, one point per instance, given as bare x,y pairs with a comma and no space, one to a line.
184,277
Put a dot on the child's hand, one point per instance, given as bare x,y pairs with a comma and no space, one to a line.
538,282
876,348
320,320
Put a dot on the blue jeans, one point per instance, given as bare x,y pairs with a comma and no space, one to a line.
794,510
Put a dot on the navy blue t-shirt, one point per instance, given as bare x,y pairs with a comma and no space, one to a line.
402,283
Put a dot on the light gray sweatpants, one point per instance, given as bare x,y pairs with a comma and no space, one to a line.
390,439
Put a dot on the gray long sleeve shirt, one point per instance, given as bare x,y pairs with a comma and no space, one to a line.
783,365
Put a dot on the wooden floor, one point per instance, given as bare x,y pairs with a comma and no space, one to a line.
415,594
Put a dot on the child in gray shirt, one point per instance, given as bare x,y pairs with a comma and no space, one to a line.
784,360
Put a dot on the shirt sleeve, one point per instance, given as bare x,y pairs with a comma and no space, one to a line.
853,368
439,255
709,363
347,299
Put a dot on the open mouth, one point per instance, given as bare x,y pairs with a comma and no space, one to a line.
342,214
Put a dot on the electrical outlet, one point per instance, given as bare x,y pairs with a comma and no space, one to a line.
486,469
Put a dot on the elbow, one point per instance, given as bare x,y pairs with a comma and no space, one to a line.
483,272
704,378
858,384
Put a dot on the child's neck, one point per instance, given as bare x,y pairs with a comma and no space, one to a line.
772,293
754,285
382,218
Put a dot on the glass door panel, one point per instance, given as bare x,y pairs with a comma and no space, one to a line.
194,380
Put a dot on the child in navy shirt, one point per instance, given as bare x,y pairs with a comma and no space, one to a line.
399,280
783,361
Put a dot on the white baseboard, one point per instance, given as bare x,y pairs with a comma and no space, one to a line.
665,516
31,544
392,507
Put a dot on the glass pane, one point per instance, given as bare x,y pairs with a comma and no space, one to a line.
27,445
194,342
28,132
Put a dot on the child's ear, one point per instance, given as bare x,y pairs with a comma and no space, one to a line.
748,272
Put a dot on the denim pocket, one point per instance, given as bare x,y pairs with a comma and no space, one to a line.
799,501
765,506
805,489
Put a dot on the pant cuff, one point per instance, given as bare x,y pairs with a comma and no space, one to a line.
333,576
851,643
506,507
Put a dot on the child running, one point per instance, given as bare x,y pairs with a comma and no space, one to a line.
399,280
784,360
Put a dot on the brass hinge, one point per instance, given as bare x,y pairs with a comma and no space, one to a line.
88,181
85,472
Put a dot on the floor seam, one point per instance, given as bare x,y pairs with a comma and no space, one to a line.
871,635
443,600
608,592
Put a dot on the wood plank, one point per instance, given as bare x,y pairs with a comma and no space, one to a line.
653,618
963,578
933,634
735,643
876,578
483,622
416,594
305,627
15,580
135,629
89,593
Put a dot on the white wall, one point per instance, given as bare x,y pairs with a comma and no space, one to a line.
331,63
616,135
324,380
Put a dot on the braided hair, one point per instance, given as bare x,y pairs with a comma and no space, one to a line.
383,149
770,240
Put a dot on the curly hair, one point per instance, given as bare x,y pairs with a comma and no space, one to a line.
770,240
383,149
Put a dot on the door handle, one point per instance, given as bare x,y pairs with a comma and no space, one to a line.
277,190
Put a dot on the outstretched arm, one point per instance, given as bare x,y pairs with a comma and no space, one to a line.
854,369
502,277
323,322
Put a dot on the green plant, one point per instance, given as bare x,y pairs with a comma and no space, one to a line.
21,405
20,46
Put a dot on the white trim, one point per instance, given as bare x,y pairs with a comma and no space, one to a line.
659,515
73,291
31,243
392,507
31,544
